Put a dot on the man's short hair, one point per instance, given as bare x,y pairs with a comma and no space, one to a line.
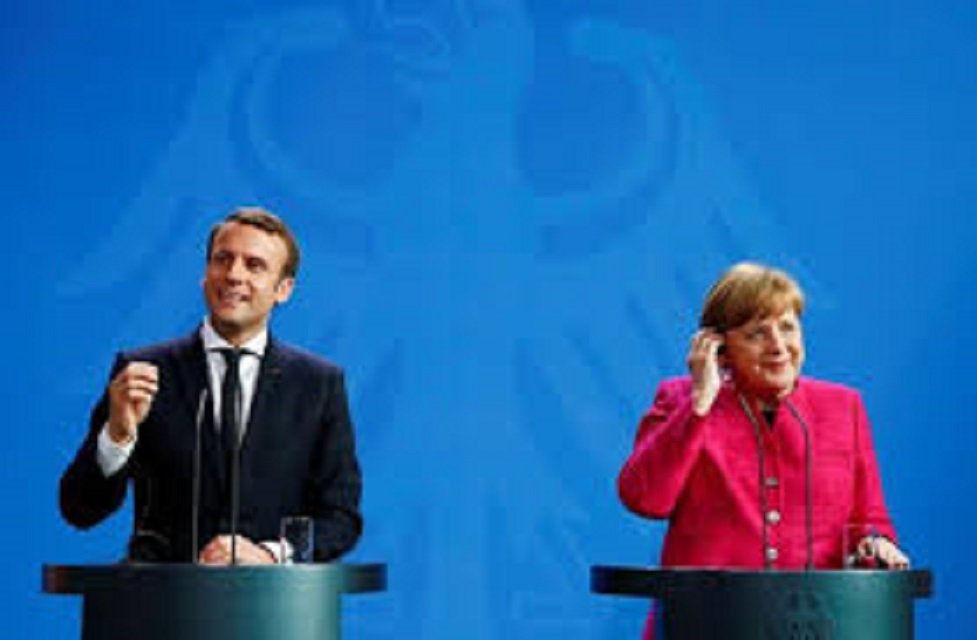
268,222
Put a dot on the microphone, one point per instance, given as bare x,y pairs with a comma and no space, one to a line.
195,498
236,473
808,500
146,545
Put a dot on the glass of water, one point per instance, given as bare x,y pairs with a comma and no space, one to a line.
859,545
298,536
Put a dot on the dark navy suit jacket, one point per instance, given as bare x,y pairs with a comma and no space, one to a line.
297,457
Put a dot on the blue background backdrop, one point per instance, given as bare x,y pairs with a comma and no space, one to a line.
510,211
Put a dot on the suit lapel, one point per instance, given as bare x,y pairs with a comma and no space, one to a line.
801,402
263,405
190,370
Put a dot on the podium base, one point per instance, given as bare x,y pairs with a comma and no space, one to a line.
157,602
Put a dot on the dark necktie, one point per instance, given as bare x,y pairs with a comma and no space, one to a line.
230,402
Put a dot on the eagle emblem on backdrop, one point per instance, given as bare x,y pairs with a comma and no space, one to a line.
508,221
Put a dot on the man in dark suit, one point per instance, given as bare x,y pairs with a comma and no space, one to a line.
181,419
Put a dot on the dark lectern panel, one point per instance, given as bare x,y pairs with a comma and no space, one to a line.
190,602
696,604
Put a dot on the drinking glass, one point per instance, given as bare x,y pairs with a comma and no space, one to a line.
852,533
298,534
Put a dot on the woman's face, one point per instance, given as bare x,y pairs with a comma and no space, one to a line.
765,354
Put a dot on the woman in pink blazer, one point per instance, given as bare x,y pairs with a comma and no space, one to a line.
752,464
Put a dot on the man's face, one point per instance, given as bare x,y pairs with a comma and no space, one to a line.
243,280
765,354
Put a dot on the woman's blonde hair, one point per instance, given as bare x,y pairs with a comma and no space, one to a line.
749,290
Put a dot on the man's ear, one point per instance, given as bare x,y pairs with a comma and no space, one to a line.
283,290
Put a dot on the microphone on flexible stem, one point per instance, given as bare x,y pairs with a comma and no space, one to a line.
147,544
195,499
236,476
808,501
